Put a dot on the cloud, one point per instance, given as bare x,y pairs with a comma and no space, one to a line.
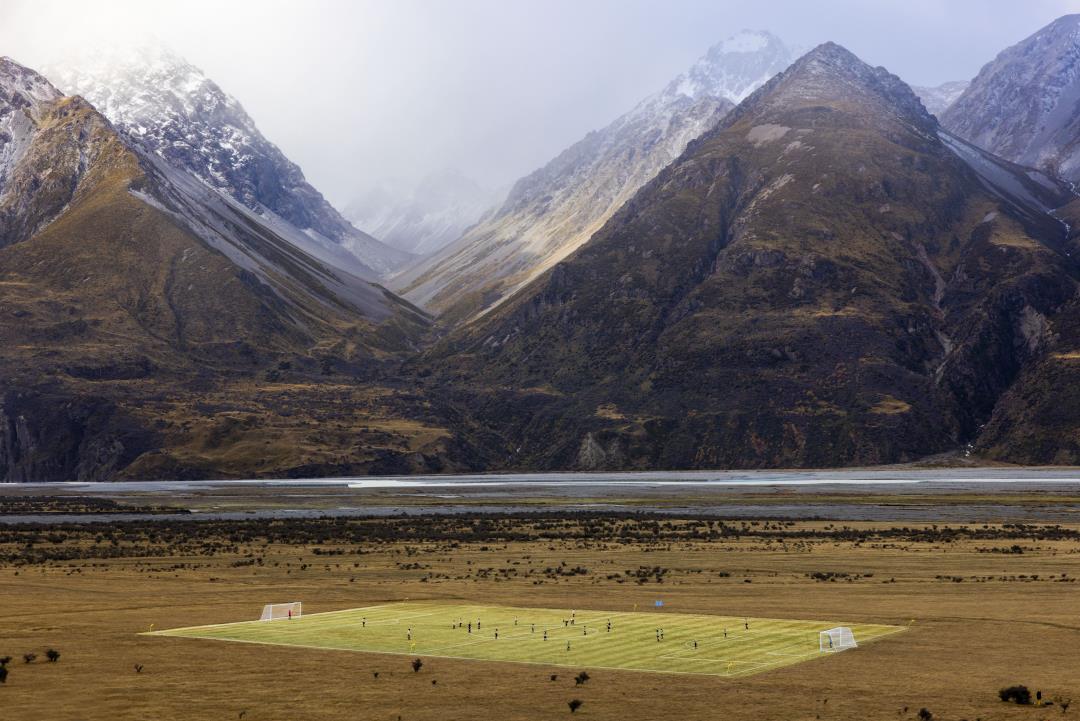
359,91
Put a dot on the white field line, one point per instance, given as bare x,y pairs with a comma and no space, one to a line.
415,654
658,615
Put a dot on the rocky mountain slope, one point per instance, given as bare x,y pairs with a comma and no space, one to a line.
1025,104
938,98
152,326
553,211
172,109
424,218
827,278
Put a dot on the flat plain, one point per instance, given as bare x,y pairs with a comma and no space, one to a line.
984,606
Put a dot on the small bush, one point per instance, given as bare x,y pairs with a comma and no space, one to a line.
4,661
417,664
925,715
1019,695
29,657
3,674
574,704
138,668
554,677
53,655
581,678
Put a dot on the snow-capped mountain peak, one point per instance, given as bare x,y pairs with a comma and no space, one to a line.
735,67
172,109
554,210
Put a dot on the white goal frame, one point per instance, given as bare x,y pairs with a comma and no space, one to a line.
278,611
840,638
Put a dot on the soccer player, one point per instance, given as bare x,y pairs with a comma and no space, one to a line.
746,624
470,626
290,614
496,634
609,625
567,645
408,635
725,633
695,644
545,634
533,628
363,622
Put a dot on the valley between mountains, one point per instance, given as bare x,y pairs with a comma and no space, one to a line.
774,261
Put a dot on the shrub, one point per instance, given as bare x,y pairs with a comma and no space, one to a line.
581,678
574,704
4,661
138,668
53,655
3,674
554,677
29,657
1020,695
925,715
417,664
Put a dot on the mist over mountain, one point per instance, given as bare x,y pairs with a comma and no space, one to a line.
424,218
554,210
134,293
938,98
771,262
172,109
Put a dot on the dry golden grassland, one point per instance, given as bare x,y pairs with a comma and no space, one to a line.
992,606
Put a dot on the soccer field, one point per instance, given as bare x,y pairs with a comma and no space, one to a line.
695,644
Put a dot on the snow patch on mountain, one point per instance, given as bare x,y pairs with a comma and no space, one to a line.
554,210
171,109
22,91
734,68
1023,105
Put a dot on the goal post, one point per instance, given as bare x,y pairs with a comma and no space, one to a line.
276,611
836,639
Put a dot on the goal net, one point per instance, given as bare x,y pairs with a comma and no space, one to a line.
836,639
275,611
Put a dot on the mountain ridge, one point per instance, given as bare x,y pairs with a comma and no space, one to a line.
555,209
172,109
699,327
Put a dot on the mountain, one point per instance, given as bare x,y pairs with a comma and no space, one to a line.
826,278
155,327
1025,104
553,211
422,219
938,98
172,109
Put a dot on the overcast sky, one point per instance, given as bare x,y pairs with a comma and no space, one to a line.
362,90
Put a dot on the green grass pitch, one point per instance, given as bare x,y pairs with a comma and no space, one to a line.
699,644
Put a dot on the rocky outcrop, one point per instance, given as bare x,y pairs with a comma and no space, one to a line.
44,437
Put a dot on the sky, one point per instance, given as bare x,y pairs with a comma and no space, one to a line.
361,92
